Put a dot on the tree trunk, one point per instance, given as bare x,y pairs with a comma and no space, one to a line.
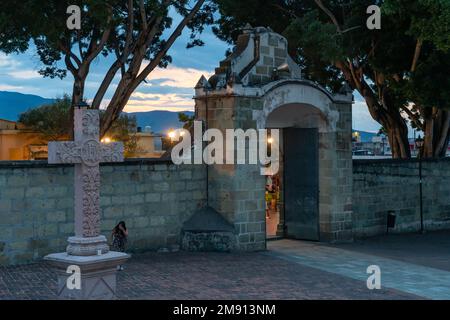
77,97
118,102
397,131
134,76
384,112
436,132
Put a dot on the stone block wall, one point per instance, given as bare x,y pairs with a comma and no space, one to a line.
153,197
236,191
383,185
335,183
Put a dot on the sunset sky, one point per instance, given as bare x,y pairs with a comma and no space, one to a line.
166,89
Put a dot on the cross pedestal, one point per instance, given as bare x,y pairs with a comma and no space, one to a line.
88,250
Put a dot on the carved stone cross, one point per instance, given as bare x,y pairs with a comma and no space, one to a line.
86,152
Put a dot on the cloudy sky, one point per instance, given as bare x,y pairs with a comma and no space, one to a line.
166,89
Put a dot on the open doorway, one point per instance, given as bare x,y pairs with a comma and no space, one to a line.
274,207
292,194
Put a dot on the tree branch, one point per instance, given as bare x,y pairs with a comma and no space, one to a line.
96,48
70,55
70,66
176,33
143,15
412,116
105,84
416,55
129,38
329,14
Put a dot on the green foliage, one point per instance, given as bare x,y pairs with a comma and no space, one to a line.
130,32
314,38
317,43
429,19
382,131
186,120
124,129
44,23
52,121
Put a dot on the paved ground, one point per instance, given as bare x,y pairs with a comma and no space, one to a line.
288,270
429,249
427,282
203,276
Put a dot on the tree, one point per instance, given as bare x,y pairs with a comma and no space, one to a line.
124,129
52,122
132,32
186,119
396,69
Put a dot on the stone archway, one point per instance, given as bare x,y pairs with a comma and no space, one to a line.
304,114
258,85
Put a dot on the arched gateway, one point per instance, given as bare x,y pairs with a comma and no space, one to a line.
259,86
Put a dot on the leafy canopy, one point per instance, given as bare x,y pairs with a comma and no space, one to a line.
52,122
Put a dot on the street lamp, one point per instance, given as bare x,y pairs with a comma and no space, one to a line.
106,140
172,135
419,145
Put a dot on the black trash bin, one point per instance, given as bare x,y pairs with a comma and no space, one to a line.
390,220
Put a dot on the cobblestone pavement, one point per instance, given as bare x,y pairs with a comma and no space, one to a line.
184,275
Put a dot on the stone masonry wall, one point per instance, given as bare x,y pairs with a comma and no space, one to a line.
335,183
153,197
383,185
237,191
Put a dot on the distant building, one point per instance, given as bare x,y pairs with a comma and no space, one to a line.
370,144
20,143
148,145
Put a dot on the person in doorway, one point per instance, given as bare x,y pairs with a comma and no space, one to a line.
119,239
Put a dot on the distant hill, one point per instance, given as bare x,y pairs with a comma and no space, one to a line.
12,104
159,120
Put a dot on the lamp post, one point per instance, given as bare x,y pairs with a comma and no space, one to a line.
419,146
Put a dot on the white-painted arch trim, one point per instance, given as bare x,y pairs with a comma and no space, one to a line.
298,94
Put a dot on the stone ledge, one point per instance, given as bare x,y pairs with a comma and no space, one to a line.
45,164
397,161
63,258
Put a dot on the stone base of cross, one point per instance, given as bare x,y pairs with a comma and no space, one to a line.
87,249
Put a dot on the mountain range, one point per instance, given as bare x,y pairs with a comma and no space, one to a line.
159,120
12,104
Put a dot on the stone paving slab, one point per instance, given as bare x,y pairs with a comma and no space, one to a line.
431,249
185,275
427,282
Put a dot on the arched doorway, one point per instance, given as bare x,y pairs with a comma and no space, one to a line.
292,194
259,86
316,126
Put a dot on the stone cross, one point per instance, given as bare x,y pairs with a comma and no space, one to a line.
86,152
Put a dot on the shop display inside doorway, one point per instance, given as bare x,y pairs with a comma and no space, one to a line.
272,205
